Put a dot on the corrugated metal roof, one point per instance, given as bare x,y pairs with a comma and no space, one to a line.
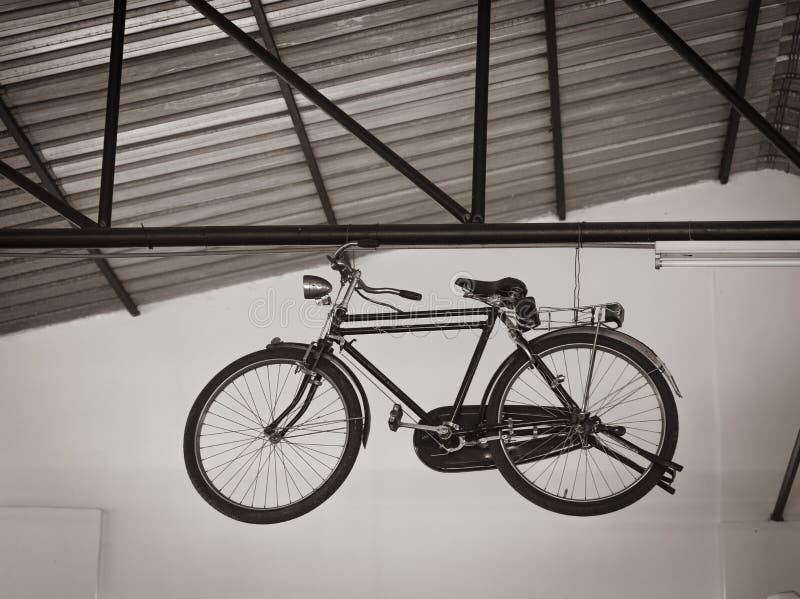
205,138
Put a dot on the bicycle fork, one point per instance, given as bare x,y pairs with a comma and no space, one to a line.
311,381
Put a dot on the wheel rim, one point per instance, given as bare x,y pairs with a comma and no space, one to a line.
238,460
621,394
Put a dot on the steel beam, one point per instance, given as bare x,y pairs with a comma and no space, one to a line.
555,107
27,149
402,235
788,481
294,113
53,197
112,114
481,111
330,108
44,196
717,82
748,41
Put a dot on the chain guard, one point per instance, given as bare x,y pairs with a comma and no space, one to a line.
466,459
473,457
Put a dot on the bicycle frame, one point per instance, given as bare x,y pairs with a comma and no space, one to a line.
486,326
333,331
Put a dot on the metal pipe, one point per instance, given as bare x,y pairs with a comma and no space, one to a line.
330,108
748,41
411,328
402,234
555,108
481,112
386,382
788,481
716,81
112,114
446,313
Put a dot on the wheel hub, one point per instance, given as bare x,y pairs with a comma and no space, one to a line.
585,424
272,435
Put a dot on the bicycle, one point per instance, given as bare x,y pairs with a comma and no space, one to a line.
276,432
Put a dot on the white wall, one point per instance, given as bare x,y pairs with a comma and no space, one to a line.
760,558
49,552
93,416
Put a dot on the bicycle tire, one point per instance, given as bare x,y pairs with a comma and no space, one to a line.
550,498
198,464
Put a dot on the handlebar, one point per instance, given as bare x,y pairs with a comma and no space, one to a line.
404,293
338,265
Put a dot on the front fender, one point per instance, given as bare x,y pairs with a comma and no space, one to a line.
624,338
348,372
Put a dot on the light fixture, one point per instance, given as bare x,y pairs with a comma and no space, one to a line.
727,253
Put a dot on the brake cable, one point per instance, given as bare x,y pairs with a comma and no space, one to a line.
374,301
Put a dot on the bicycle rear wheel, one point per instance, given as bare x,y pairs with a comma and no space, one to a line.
583,469
246,473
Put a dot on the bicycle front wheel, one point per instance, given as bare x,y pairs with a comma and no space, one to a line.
253,476
587,467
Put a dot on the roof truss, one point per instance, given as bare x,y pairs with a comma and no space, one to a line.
50,194
305,235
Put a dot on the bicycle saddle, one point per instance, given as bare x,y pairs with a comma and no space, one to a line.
507,287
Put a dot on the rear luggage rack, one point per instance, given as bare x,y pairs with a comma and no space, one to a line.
610,315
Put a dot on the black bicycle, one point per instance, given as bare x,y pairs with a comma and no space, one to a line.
580,420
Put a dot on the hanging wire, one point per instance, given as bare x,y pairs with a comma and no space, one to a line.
576,289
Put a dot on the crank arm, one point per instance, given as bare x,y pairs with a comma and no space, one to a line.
441,430
659,461
664,483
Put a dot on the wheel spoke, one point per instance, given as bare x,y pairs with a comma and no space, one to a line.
610,405
248,469
252,397
244,399
619,393
247,418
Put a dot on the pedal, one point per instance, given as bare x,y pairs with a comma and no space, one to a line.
395,416
668,478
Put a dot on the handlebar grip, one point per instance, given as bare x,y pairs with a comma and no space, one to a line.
368,243
412,295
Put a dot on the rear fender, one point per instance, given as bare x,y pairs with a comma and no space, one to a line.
622,337
608,333
338,363
493,381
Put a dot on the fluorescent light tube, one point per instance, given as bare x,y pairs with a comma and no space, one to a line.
714,254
